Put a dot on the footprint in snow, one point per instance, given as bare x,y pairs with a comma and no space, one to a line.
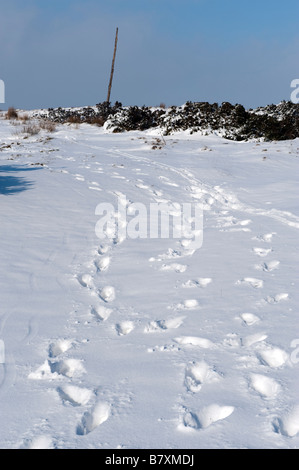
231,224
141,185
41,442
268,267
68,367
249,318
277,298
59,347
239,226
76,396
199,282
103,249
188,304
262,252
198,373
163,325
118,177
85,280
43,372
103,263
167,181
232,340
265,386
194,341
119,239
265,238
124,328
79,178
107,294
50,370
94,418
273,357
253,339
205,417
101,312
170,254
164,348
288,424
256,283
94,188
178,268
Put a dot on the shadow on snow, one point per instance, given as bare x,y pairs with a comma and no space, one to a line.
13,183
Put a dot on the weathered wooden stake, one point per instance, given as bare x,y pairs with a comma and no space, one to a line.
112,68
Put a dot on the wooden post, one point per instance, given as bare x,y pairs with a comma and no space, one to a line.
112,67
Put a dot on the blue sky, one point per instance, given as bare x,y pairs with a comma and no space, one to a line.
59,52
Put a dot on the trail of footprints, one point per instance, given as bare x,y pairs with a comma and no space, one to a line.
197,374
56,367
69,370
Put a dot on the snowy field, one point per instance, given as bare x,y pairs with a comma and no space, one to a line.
145,343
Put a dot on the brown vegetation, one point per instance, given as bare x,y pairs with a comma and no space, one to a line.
11,113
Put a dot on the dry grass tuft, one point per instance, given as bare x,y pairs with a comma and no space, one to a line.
12,113
74,119
96,120
31,129
48,126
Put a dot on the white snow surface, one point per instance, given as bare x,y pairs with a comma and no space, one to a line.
145,343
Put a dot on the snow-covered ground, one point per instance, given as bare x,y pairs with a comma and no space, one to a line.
144,343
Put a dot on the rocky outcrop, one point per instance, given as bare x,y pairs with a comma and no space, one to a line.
272,122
